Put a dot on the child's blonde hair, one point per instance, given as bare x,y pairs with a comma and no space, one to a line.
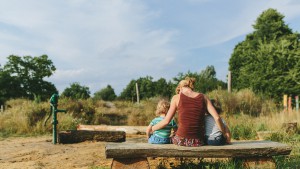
162,107
187,82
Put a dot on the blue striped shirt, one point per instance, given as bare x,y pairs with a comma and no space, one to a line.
166,131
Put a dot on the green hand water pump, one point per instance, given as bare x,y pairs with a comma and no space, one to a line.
54,111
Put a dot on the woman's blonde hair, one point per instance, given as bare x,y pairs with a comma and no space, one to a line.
187,82
162,107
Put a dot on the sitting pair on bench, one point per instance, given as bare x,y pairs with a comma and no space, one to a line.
213,135
192,108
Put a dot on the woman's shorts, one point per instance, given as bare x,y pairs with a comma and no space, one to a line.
189,142
158,140
215,140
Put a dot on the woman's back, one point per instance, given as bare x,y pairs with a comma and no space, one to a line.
191,111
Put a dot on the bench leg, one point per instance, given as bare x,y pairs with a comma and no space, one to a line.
258,163
130,163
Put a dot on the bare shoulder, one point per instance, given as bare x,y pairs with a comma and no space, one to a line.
175,98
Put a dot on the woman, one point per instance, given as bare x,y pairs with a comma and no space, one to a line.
191,107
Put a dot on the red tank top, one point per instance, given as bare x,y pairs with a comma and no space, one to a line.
191,113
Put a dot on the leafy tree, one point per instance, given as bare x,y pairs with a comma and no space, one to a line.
147,88
205,80
76,91
268,60
23,77
129,92
107,94
164,88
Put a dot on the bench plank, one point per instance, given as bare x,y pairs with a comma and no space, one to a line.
235,150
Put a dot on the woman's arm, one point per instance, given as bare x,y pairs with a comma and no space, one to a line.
169,115
216,116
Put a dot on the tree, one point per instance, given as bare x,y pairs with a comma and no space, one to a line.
23,77
129,92
147,88
107,94
163,88
9,87
267,61
205,80
76,91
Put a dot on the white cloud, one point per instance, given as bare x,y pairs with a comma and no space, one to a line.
112,42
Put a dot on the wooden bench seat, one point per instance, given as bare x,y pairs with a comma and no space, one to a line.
133,155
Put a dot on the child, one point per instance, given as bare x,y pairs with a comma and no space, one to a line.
161,136
213,135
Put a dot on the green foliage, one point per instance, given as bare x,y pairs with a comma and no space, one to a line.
107,94
268,60
287,161
243,132
147,89
22,77
76,91
205,80
203,164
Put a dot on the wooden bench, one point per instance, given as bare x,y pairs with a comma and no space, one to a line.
134,155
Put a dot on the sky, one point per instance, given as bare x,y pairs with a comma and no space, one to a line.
111,42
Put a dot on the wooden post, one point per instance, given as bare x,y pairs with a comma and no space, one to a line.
290,104
297,103
137,93
1,108
284,102
229,82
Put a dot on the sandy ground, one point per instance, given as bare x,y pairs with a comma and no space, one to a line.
40,153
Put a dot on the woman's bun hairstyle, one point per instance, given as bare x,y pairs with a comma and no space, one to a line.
187,82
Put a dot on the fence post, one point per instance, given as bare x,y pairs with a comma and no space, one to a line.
229,82
137,93
1,108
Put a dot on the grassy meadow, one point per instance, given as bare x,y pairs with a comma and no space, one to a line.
244,112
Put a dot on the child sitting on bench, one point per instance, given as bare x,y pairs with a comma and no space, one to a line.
213,136
161,136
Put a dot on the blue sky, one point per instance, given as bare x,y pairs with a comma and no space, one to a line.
101,42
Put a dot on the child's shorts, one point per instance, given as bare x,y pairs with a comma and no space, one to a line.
158,140
215,140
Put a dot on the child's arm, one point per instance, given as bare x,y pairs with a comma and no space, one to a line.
148,130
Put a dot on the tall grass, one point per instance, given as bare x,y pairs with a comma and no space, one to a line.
244,112
25,117
243,102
